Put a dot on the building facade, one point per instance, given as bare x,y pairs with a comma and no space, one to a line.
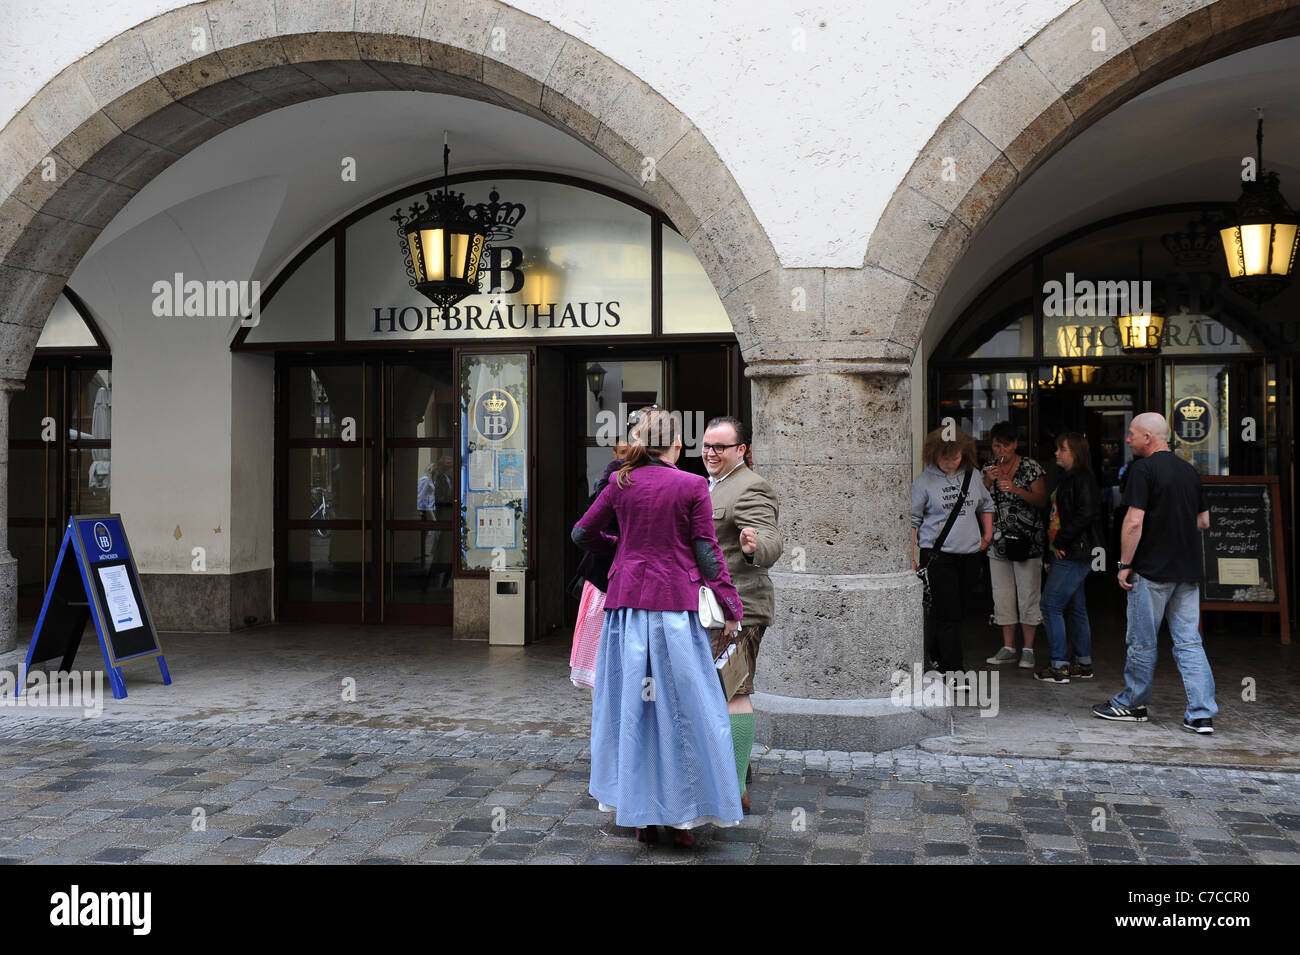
870,226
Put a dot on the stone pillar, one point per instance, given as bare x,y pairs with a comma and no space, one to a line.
8,565
834,439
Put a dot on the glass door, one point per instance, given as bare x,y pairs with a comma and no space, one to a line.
60,436
419,491
1223,415
325,481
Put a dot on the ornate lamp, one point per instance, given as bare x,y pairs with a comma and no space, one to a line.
443,243
1260,239
1140,331
596,380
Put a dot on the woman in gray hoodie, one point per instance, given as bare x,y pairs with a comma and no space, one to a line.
953,569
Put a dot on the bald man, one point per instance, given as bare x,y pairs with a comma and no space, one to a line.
1160,567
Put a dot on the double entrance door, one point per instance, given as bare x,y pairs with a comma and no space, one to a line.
375,481
366,490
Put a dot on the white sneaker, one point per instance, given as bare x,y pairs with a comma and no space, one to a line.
1002,656
1026,659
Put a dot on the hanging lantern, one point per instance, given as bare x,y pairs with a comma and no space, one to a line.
1140,334
443,243
1260,239
596,380
1143,327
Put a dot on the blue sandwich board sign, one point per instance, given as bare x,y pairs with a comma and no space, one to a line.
95,578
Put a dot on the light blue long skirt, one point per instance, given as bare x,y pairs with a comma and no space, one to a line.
661,751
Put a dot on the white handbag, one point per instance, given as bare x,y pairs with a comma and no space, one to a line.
710,611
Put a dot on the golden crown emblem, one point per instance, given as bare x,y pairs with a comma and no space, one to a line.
495,404
1193,410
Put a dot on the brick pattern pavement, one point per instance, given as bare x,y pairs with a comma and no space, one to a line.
125,792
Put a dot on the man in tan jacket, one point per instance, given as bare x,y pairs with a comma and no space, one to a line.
745,520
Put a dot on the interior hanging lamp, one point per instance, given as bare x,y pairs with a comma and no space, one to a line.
1260,238
443,243
1141,329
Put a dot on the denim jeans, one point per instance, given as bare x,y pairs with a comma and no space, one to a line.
1064,591
1149,602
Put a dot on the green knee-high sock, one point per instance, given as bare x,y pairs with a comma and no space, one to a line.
742,737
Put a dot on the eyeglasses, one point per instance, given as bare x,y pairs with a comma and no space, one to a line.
719,448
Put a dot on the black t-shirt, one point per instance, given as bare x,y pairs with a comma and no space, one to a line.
1169,490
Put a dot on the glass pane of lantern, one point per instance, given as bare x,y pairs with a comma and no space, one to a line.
1231,242
1283,248
1256,245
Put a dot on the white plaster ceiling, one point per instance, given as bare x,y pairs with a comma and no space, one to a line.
395,139
1182,141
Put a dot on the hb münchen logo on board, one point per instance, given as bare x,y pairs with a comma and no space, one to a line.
102,538
496,415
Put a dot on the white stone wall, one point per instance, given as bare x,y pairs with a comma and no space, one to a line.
192,422
818,110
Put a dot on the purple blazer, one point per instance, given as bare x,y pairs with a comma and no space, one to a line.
659,515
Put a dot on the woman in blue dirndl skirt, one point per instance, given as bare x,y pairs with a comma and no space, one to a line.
661,747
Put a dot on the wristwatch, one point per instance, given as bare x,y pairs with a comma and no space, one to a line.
1120,565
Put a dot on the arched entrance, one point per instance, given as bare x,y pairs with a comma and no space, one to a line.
109,124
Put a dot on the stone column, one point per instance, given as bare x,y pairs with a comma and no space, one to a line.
8,565
834,439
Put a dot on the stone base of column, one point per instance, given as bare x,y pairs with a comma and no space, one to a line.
8,603
868,725
831,668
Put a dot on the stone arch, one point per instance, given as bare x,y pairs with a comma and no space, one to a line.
109,123
1040,97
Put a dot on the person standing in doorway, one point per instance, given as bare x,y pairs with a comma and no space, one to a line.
1074,532
745,519
424,502
1017,485
1160,567
950,551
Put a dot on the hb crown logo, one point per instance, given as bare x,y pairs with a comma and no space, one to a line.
496,415
1193,420
102,537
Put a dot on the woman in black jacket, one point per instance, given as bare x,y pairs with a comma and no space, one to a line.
1072,533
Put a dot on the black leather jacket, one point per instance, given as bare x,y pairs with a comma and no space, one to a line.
1078,505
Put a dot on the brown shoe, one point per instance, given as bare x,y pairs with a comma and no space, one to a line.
744,802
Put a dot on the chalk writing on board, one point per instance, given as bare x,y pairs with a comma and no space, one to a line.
1238,547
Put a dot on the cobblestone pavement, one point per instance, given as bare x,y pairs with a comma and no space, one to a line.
130,791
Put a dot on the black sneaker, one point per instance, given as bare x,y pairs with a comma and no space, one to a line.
1080,671
1051,674
1204,726
1124,714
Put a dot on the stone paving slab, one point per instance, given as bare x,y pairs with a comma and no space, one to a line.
359,796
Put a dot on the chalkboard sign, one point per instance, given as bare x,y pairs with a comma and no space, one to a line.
95,579
1245,565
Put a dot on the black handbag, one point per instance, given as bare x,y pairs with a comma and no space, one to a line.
1016,548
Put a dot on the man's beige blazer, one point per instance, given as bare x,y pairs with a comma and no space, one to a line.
746,500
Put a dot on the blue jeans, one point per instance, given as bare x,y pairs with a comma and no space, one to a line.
1149,602
1064,591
